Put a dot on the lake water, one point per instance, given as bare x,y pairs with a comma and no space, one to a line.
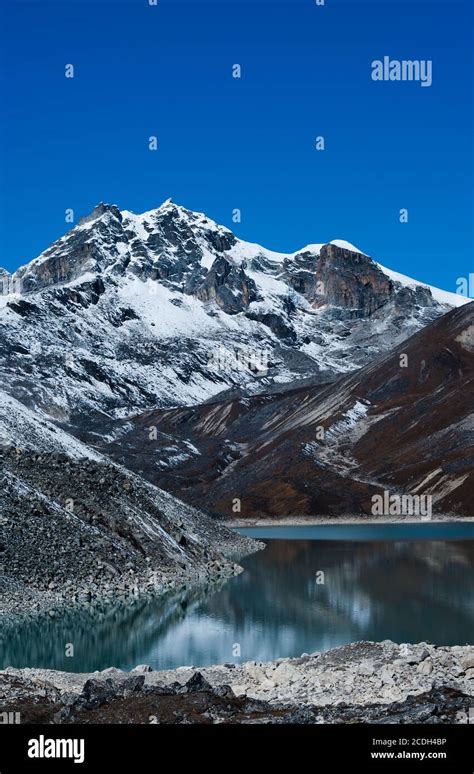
312,588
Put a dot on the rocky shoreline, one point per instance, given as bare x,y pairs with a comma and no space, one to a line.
21,604
311,521
76,530
364,682
153,584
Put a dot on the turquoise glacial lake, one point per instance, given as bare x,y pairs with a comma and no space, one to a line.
311,589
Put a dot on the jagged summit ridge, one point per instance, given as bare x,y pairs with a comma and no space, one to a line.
109,237
127,312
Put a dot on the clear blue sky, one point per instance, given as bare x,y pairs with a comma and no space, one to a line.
248,143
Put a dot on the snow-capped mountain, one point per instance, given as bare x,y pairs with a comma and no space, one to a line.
127,312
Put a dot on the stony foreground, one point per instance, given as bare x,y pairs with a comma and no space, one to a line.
364,682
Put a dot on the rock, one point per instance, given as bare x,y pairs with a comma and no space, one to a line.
399,662
359,285
425,667
230,287
196,683
142,668
283,673
132,684
239,690
366,668
414,656
71,562
467,662
255,672
223,691
386,675
95,693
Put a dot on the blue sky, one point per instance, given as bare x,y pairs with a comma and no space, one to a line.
248,143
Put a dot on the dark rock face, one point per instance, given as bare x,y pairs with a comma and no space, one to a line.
23,308
196,683
345,279
300,273
86,294
277,325
170,251
351,281
420,296
232,290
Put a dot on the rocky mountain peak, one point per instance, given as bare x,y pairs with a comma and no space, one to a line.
188,251
352,281
101,209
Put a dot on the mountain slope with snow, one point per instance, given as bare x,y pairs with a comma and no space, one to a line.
402,424
126,312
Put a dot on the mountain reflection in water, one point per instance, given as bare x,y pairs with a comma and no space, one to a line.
404,590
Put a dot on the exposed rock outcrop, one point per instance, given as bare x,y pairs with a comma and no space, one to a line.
351,281
230,287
